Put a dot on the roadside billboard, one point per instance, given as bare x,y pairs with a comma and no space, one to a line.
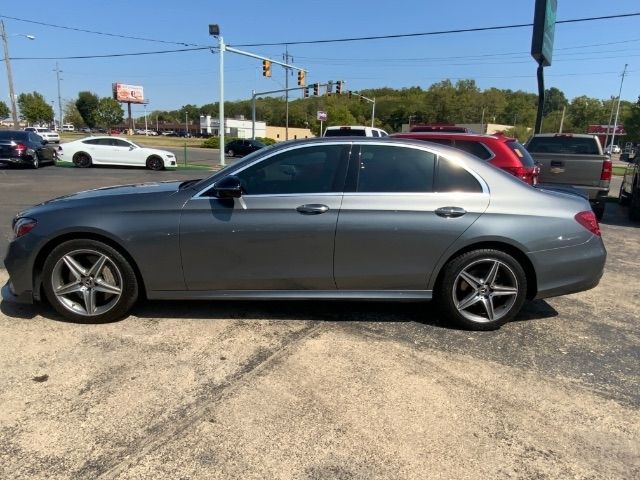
128,93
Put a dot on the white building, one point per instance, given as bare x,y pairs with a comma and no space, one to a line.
234,127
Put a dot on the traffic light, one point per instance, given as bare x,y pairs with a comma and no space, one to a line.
305,92
316,89
301,78
349,93
266,68
329,88
339,87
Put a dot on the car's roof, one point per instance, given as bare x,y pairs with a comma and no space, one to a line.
452,135
578,135
338,127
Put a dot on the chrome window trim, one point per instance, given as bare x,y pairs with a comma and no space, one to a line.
485,188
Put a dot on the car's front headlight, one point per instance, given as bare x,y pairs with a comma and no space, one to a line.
22,226
170,155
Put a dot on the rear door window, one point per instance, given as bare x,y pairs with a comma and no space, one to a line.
385,168
450,177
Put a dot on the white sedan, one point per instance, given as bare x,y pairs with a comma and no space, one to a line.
114,151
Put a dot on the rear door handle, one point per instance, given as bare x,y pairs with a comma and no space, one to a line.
312,209
450,212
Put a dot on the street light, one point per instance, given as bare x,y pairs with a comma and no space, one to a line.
214,31
3,33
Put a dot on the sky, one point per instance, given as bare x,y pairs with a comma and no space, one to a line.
588,57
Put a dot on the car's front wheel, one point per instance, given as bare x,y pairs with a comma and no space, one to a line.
482,289
90,282
155,163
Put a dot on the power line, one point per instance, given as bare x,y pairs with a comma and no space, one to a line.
129,37
79,57
424,34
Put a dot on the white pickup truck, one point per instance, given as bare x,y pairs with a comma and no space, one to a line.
45,133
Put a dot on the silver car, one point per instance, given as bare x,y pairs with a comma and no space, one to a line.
345,218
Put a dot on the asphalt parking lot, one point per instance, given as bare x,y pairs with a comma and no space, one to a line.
320,389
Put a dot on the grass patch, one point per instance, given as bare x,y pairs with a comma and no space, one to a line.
618,170
143,140
65,164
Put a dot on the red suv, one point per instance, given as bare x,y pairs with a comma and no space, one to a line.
503,152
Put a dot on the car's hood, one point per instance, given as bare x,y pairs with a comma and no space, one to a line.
129,194
149,151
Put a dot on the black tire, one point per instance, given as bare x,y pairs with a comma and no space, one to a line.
35,162
453,290
231,153
634,205
598,210
155,163
114,274
623,198
82,160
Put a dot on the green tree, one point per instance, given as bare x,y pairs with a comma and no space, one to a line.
108,113
554,101
632,124
4,110
71,114
34,108
86,104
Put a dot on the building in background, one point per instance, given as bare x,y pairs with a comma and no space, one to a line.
605,132
280,133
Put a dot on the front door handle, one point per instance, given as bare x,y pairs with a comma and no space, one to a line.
312,209
557,163
450,212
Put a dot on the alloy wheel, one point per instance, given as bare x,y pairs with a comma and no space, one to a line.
485,290
87,282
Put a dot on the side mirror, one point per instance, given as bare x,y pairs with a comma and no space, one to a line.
228,187
131,147
44,142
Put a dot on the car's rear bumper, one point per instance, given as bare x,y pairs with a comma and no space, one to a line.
9,295
15,161
561,271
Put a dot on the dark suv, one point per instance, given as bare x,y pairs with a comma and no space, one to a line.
24,148
242,147
501,151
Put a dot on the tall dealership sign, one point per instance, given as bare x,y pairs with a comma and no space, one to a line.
128,94
544,27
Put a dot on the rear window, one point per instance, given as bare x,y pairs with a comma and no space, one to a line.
17,136
346,132
522,154
564,144
453,178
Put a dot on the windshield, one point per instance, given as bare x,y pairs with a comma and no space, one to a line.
346,132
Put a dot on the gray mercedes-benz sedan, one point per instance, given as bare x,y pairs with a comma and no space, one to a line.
335,218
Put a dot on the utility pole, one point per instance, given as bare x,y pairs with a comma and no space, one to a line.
286,92
7,62
564,109
615,122
60,121
606,137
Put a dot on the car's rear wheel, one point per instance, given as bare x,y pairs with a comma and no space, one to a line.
35,162
482,289
82,160
231,153
89,282
155,163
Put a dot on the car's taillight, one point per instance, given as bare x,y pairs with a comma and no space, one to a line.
20,148
607,168
22,226
589,221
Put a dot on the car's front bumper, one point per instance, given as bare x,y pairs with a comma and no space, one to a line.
561,271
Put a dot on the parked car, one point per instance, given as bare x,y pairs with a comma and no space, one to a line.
85,130
24,148
45,133
611,149
630,188
354,131
574,160
501,151
168,133
68,127
313,219
114,151
242,147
